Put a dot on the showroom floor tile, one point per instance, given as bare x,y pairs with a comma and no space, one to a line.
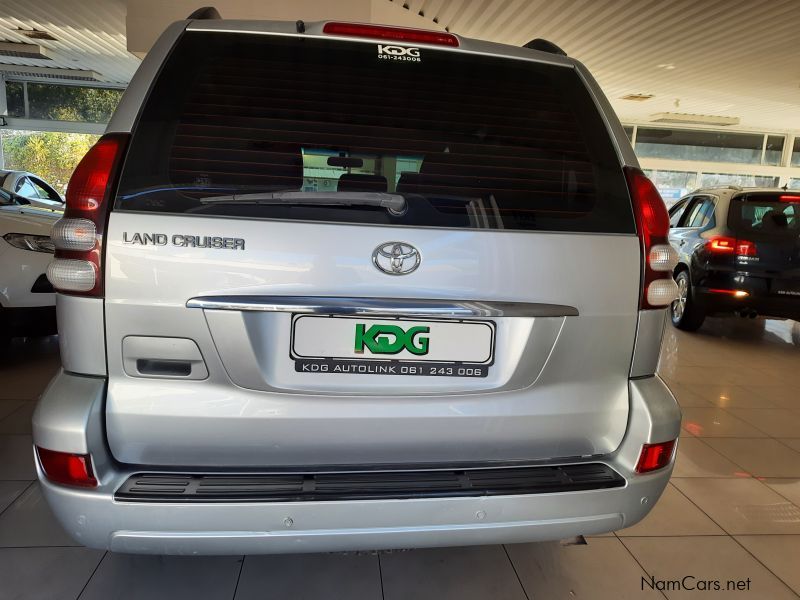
10,491
46,573
695,458
775,422
336,577
716,422
470,573
759,457
17,454
689,562
731,396
19,421
601,570
742,506
779,553
731,511
130,577
673,514
30,522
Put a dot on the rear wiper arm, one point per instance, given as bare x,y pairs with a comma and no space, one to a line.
394,203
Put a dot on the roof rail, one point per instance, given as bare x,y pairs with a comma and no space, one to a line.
544,46
206,12
738,188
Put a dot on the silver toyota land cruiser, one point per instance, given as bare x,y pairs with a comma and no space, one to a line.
336,286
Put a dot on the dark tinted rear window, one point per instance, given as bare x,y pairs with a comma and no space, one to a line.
468,141
775,214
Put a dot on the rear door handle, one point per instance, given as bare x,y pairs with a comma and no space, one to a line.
162,358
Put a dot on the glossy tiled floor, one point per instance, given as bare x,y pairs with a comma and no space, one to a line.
731,511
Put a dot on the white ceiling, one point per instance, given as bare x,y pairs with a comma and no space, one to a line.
735,58
90,35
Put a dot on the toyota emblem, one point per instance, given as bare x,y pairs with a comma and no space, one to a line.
396,258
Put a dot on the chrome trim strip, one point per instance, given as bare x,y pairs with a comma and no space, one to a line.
385,307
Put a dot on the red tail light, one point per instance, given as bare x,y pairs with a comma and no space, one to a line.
394,34
722,245
729,245
66,468
652,225
655,456
77,267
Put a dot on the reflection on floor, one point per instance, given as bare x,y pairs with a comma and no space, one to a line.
731,511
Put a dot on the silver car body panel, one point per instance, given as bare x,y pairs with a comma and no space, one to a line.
551,365
81,334
647,348
69,416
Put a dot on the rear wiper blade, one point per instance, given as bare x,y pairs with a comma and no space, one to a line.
394,203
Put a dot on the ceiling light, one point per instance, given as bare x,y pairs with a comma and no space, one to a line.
26,72
637,97
674,117
22,50
667,66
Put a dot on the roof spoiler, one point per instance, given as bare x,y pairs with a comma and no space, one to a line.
205,13
544,46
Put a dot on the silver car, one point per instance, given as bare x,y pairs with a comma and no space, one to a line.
332,286
32,188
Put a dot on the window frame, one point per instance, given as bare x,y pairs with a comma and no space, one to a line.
43,186
677,210
700,200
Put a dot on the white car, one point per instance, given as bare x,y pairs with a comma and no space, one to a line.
27,301
32,189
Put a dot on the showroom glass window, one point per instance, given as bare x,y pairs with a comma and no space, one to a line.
711,146
796,152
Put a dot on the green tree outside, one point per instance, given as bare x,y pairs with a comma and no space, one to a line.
54,155
51,155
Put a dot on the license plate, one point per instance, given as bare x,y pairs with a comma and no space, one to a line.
355,346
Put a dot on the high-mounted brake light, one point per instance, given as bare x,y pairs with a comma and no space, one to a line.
789,198
655,456
78,236
67,468
652,225
394,34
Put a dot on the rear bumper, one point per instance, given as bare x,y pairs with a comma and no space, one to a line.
715,293
719,298
69,418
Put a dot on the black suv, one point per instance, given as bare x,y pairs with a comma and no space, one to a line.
739,253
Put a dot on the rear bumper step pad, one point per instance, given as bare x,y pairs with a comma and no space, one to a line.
316,487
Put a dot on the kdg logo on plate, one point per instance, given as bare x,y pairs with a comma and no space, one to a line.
391,339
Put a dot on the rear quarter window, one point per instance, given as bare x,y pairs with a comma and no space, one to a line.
468,141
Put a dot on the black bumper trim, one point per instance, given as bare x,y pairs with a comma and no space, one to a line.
316,487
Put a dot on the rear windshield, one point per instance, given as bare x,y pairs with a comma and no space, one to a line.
274,127
774,214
